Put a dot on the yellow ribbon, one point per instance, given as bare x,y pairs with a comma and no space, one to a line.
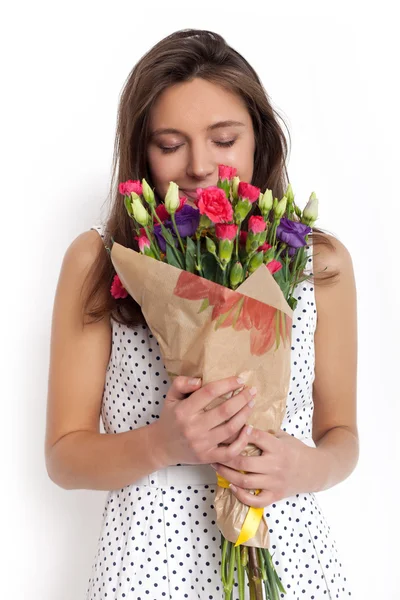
253,517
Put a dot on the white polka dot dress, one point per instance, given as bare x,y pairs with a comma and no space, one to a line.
159,538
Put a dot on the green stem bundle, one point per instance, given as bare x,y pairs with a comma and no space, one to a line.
260,572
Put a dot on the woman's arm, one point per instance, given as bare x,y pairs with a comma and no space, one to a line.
77,455
335,386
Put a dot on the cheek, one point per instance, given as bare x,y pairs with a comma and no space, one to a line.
242,157
164,168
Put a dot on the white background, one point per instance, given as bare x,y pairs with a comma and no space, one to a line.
332,73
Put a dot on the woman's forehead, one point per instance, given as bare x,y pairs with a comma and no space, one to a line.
197,104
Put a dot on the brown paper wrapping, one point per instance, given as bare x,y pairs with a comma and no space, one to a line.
191,346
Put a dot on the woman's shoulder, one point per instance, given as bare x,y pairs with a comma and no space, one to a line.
82,257
85,247
330,255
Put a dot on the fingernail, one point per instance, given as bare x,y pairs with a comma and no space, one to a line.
195,381
253,391
233,487
249,429
252,403
240,380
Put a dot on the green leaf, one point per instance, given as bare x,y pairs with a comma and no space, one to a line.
209,265
279,277
169,238
191,245
190,258
172,257
220,276
181,258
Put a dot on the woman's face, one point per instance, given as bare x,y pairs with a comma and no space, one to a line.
195,126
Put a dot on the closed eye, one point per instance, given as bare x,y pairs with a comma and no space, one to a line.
168,150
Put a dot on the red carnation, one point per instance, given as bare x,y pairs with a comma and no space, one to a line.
117,289
212,201
127,187
246,190
162,213
257,224
226,232
264,247
273,266
225,172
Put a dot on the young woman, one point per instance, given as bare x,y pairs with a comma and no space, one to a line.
192,103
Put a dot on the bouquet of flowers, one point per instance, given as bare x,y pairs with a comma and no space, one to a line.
219,301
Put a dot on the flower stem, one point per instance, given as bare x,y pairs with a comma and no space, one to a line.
165,231
255,574
229,583
177,233
299,256
198,253
153,246
261,562
250,582
240,573
273,581
153,210
223,559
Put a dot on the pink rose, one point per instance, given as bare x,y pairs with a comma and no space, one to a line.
273,266
257,224
225,172
226,232
212,201
127,187
245,190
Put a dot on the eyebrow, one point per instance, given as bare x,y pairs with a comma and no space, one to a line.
209,128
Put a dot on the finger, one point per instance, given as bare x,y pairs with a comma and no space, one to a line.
221,433
264,463
268,442
203,397
181,386
227,418
261,500
249,481
225,453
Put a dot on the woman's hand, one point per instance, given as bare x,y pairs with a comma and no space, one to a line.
284,469
185,433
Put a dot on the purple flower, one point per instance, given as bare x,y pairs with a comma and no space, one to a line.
292,233
187,221
160,238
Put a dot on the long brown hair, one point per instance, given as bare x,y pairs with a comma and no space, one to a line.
179,57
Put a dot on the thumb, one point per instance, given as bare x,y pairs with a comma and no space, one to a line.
182,386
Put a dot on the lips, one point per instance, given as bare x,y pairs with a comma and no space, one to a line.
189,193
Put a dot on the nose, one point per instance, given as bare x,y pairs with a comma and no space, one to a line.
201,164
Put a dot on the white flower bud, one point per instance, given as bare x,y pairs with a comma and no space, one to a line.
172,201
140,214
265,202
310,213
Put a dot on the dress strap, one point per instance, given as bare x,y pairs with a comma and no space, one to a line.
100,229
